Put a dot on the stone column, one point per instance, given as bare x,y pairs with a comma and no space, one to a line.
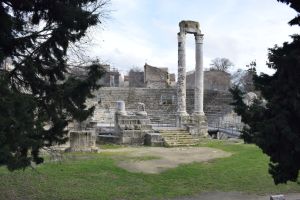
199,118
198,107
181,82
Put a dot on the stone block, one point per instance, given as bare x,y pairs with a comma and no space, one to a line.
83,141
154,139
182,119
132,141
277,197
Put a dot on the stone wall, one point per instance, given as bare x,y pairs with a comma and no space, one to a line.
156,77
213,80
132,129
159,103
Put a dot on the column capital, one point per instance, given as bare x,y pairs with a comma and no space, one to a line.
199,38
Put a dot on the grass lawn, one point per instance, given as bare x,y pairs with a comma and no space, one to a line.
96,176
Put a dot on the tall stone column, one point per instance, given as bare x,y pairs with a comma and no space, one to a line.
199,118
198,107
181,82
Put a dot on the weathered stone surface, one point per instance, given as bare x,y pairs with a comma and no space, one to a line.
121,107
136,79
216,103
199,89
182,118
178,137
187,26
181,81
83,141
199,125
154,140
131,129
141,109
156,77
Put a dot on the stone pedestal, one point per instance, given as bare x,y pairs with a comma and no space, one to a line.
120,111
199,127
182,119
120,107
84,141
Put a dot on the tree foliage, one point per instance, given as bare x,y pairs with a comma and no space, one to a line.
272,123
220,64
295,4
37,95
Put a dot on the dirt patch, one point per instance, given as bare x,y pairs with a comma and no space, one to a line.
154,160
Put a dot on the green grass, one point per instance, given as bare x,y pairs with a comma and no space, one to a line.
110,146
96,176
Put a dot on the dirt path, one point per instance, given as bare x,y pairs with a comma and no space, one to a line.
157,159
235,196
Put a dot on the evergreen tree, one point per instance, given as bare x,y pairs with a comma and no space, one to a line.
37,96
272,123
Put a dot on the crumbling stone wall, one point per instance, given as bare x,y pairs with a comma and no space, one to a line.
213,80
156,77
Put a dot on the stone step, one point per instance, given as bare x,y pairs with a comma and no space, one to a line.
176,133
181,145
178,138
173,132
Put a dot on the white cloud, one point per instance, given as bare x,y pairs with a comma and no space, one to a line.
142,31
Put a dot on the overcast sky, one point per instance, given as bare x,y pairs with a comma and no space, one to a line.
139,31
